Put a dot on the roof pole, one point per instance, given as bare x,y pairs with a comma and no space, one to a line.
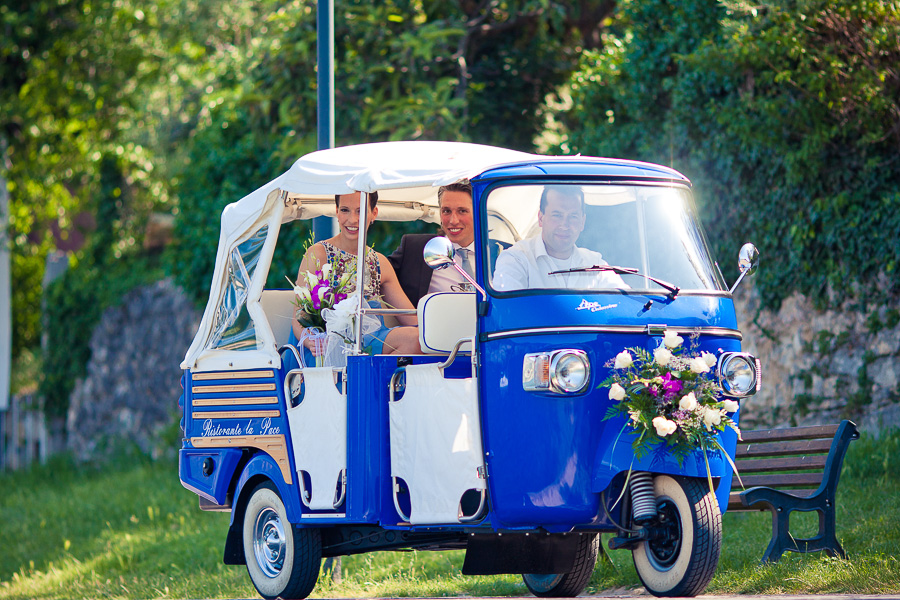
323,227
361,270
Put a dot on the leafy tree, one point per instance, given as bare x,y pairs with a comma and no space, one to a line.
112,109
405,69
786,116
86,80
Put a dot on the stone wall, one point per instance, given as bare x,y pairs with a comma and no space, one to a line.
820,366
133,378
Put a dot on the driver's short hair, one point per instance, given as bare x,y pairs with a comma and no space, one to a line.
573,191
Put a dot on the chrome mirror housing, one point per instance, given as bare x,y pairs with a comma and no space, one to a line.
748,262
438,253
748,258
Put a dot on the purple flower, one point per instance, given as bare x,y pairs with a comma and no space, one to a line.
671,386
316,302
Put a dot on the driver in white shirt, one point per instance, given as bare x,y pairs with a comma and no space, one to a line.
528,263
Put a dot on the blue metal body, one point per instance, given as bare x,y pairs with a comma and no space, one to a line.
548,457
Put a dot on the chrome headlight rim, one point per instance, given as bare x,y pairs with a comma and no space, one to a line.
728,362
556,380
543,371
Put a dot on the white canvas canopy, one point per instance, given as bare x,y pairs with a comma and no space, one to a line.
406,176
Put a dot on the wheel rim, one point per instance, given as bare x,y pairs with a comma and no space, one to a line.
666,543
269,544
543,583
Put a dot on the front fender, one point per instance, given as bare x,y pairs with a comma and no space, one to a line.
615,454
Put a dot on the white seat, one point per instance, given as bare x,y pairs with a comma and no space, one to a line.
444,319
279,307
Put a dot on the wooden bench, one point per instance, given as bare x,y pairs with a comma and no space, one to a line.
794,469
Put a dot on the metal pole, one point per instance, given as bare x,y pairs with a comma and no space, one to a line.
5,287
323,227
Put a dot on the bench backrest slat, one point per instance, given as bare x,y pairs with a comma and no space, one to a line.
795,433
790,463
783,448
780,480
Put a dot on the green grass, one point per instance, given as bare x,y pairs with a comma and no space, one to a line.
129,530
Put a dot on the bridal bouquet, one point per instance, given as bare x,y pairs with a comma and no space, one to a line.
319,291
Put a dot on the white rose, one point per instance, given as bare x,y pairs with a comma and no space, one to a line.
616,392
671,339
689,402
698,365
710,359
664,426
662,356
730,406
623,360
712,417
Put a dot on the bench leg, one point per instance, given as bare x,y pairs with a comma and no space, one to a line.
782,541
781,535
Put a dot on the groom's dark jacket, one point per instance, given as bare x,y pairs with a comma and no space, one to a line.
413,273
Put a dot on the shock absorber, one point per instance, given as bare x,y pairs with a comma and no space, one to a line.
643,500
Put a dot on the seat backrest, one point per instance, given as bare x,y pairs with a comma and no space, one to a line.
444,319
279,308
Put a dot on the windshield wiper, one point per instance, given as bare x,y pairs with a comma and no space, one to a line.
673,289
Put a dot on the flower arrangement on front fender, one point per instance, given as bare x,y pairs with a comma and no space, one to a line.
669,398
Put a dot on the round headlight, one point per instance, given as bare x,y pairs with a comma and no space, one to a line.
738,375
570,371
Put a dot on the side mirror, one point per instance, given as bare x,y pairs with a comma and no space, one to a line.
438,253
748,258
748,262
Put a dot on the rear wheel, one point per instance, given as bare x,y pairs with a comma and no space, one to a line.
283,561
681,557
568,585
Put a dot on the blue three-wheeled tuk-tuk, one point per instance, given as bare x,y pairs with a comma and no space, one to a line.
499,439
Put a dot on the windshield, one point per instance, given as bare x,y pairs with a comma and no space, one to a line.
537,231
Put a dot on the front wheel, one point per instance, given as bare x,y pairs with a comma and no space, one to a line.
568,585
681,557
283,561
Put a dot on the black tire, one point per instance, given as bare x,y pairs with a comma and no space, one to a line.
283,560
568,585
683,562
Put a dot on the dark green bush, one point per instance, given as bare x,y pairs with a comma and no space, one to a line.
74,304
786,117
110,266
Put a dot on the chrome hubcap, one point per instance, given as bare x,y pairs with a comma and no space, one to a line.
269,542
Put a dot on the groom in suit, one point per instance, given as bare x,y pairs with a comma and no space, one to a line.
418,279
